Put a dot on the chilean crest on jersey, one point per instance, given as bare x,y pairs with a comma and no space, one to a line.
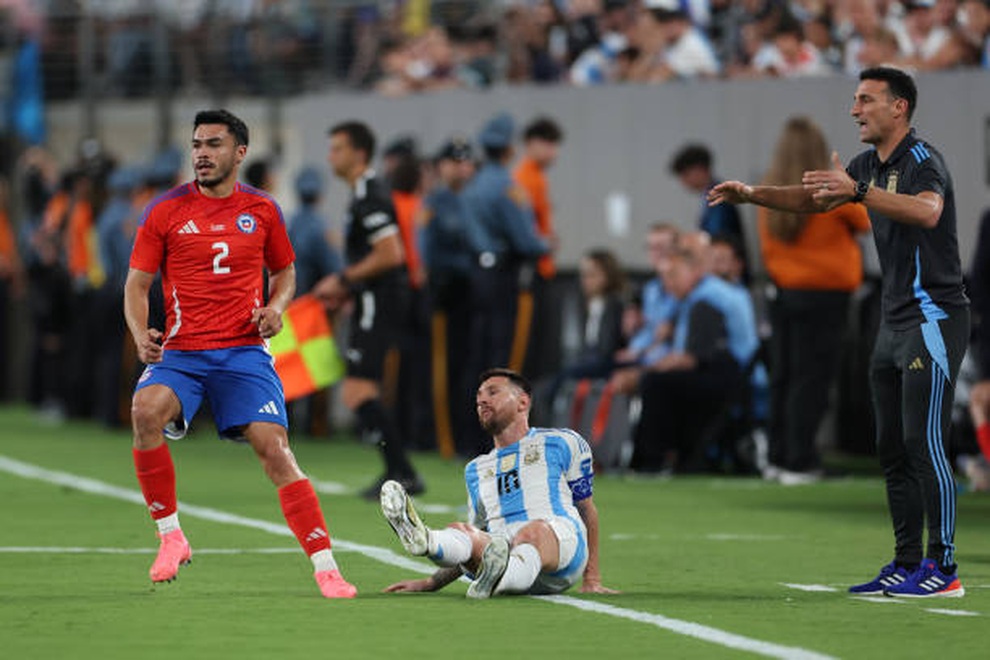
246,223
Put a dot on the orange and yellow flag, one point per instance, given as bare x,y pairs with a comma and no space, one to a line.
306,357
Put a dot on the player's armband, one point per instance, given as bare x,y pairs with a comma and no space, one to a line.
581,488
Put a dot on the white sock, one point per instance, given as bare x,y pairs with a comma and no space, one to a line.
323,561
448,547
168,524
521,572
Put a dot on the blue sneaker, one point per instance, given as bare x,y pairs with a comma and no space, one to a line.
928,582
890,575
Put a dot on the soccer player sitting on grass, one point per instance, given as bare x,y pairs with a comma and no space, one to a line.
533,525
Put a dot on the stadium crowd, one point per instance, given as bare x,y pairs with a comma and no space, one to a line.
287,46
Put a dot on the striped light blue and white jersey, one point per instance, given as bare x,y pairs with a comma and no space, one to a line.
538,478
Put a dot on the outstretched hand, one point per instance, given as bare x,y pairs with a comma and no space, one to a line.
595,586
832,187
409,586
729,192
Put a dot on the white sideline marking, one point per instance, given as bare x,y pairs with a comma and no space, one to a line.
688,628
809,587
330,487
936,610
744,537
886,600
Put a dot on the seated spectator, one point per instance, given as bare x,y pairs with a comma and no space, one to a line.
649,332
788,54
602,285
879,48
600,63
728,260
670,45
921,36
973,30
690,386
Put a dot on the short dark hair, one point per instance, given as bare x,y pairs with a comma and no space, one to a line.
691,155
359,134
234,124
900,83
543,128
256,173
513,377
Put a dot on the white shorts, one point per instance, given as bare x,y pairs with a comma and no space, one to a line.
572,541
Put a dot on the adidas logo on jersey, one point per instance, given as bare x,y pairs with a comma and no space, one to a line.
269,408
916,364
189,228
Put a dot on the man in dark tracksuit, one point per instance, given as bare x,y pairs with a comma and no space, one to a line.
908,193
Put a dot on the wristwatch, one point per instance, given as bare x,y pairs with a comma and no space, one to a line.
862,187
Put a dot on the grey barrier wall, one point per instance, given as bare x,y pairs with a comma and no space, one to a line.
612,178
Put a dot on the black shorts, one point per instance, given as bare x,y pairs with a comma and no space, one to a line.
379,315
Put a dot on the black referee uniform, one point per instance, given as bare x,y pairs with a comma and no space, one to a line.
379,312
919,347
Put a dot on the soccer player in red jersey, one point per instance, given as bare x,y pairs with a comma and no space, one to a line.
211,238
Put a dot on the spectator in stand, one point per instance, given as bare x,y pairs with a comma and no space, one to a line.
860,20
670,45
815,264
788,54
598,64
879,48
921,36
973,30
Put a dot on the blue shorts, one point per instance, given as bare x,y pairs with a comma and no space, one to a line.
240,383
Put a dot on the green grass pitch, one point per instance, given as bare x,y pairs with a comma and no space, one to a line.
704,566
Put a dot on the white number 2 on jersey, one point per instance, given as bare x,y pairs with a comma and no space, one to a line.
222,251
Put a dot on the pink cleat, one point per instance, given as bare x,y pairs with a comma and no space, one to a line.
173,552
333,585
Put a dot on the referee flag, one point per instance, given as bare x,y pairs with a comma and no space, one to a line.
306,357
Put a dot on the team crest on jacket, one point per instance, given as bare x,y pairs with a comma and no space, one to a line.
246,223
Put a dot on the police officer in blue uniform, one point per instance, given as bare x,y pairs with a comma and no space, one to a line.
448,258
501,232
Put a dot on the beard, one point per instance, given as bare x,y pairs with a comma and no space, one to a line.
494,425
220,174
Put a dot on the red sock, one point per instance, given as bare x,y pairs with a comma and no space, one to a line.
983,438
302,512
156,474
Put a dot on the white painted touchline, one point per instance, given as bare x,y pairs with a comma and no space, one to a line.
809,587
936,610
688,628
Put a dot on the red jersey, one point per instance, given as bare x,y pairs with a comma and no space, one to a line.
211,253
